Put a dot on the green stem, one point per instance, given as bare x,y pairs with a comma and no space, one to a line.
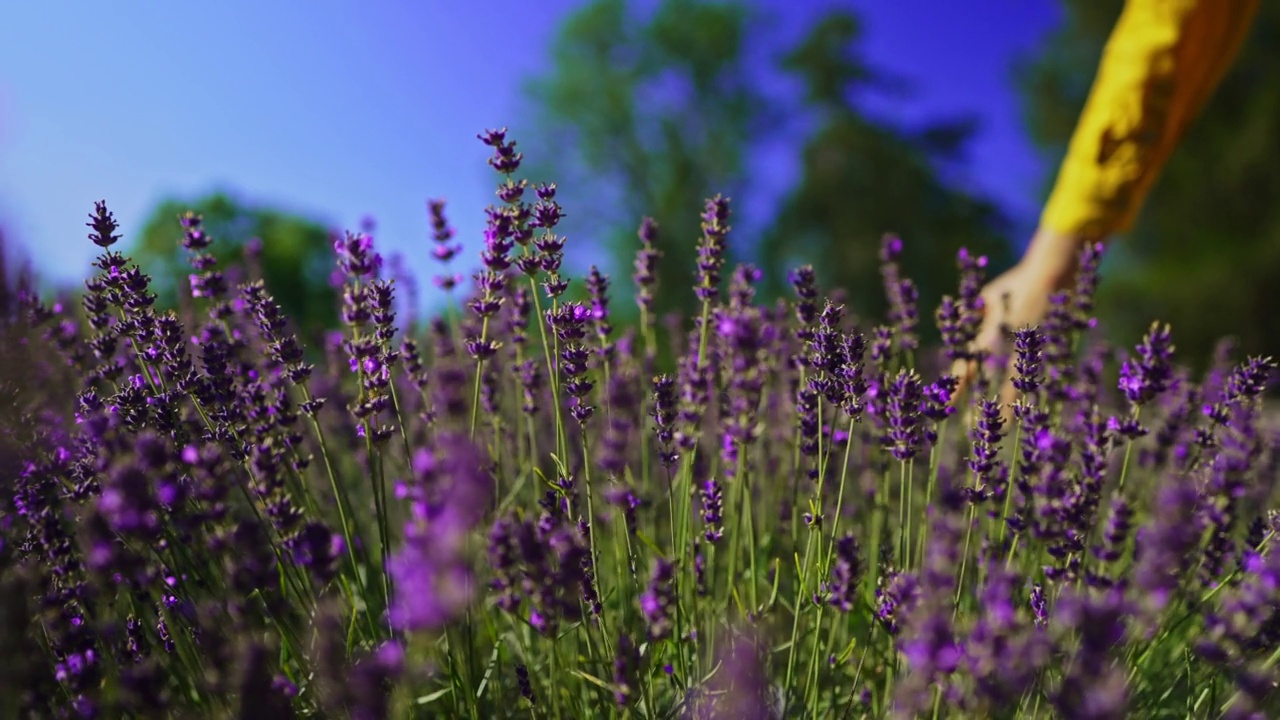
475,393
378,482
1009,485
903,559
795,617
749,510
1193,611
835,522
1128,451
404,433
553,378
795,478
878,518
811,676
1013,549
740,502
964,558
935,460
801,591
591,538
349,531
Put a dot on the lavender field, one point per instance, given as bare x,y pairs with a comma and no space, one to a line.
516,510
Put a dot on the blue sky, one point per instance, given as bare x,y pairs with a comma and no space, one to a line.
344,110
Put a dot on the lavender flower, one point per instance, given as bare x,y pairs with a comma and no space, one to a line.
319,550
626,668
846,573
1039,605
526,687
741,690
899,405
658,602
183,522
1148,375
1003,651
984,460
947,317
433,580
852,374
901,293
128,503
356,257
1086,285
1246,620
882,344
1118,526
645,276
1029,364
740,332
282,346
959,318
827,357
712,507
598,287
1164,544
444,251
541,564
104,226
505,158
664,418
805,285
569,325
1245,383
1094,686
695,389
711,248
1059,336
369,682
808,420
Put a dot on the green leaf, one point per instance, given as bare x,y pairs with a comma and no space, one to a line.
593,680
648,543
773,593
432,697
488,671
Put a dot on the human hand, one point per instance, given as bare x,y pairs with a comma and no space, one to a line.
1019,298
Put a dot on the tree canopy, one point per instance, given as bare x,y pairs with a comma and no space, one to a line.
651,114
647,114
295,254
863,177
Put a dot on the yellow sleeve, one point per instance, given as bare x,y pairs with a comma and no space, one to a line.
1163,60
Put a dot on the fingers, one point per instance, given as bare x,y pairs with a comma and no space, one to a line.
964,371
994,318
1008,393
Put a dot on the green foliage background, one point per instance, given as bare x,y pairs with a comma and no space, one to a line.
646,115
296,257
648,110
658,111
863,177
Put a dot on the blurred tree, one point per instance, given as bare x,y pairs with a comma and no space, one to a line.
649,115
646,115
863,177
1204,254
295,255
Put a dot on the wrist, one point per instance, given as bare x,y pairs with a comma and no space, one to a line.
1054,256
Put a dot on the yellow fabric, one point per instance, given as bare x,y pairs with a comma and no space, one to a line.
1162,62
